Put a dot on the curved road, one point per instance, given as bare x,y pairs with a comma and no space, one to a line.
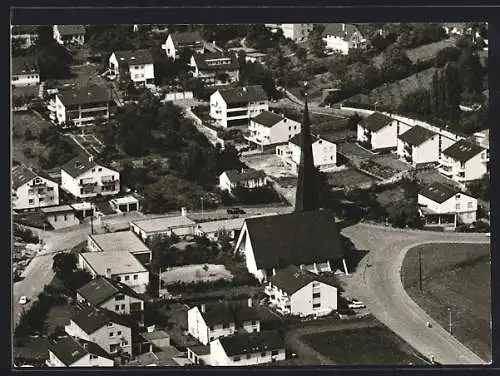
378,282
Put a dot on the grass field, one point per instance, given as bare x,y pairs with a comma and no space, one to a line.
367,346
349,178
455,276
195,273
428,51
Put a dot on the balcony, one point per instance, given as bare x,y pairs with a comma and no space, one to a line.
108,179
51,106
447,162
88,184
445,170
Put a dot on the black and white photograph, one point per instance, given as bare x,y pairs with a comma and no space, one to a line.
252,195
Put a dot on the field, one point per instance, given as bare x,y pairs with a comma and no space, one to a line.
89,143
366,346
455,276
389,196
83,75
432,176
349,178
353,149
195,273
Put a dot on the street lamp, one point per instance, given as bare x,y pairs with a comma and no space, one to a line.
375,106
420,269
202,212
449,320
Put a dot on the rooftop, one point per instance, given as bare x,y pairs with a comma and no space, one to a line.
125,200
297,139
438,192
268,118
137,57
24,29
244,175
24,65
90,94
463,150
92,319
163,223
67,350
82,206
200,350
217,313
375,122
122,241
78,165
101,289
71,29
119,262
22,175
247,94
417,135
249,343
340,30
216,61
226,224
292,279
155,335
57,209
187,38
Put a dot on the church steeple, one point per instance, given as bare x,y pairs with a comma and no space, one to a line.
306,196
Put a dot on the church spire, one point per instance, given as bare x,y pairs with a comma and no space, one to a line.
306,196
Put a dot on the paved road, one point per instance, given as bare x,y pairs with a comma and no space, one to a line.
378,282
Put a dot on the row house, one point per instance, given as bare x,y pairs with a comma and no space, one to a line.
236,106
84,178
245,178
24,35
217,68
69,35
378,132
80,106
25,72
295,32
418,145
176,42
136,65
75,352
268,129
341,37
31,190
464,161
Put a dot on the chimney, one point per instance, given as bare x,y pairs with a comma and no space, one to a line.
203,308
274,271
244,89
301,267
91,158
108,272
250,303
184,211
151,328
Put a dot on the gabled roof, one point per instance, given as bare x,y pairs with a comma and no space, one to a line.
375,121
89,94
293,239
268,118
245,94
24,65
67,350
24,29
416,135
91,319
236,176
186,38
463,150
77,166
71,29
292,279
297,139
335,29
242,312
21,175
94,349
217,313
205,61
136,57
248,343
101,289
438,192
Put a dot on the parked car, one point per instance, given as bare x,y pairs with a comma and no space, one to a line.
356,304
235,211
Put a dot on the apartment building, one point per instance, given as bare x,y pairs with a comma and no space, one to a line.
136,65
418,146
269,129
25,72
215,68
31,190
464,161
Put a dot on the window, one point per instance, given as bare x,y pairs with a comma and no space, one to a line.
316,295
55,218
118,278
50,189
120,297
458,207
111,334
123,306
249,356
211,328
127,278
254,322
236,358
211,338
274,352
225,326
136,276
31,201
99,169
110,324
255,330
118,333
315,284
81,191
92,357
317,305
65,217
117,307
469,205
263,353
124,343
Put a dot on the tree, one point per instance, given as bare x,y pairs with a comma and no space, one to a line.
447,54
64,264
471,72
301,54
316,43
54,62
480,188
417,102
395,63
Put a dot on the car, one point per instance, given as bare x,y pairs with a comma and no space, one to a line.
356,304
23,300
235,211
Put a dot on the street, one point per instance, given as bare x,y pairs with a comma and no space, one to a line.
377,282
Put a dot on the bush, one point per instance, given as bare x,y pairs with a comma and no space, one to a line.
25,234
28,152
28,135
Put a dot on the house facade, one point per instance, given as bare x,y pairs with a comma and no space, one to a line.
180,225
25,72
218,68
378,132
25,35
32,191
236,106
418,146
69,35
137,65
71,352
209,322
268,129
295,32
248,178
176,42
60,216
84,178
341,37
464,161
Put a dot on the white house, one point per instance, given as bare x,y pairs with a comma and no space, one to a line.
80,106
268,129
31,190
176,42
247,178
71,352
456,28
296,32
107,329
60,216
137,65
69,35
443,205
247,349
464,161
236,106
256,57
324,153
378,131
25,72
341,37
125,241
180,225
298,292
215,68
25,35
120,266
83,178
211,321
418,145
125,204
269,244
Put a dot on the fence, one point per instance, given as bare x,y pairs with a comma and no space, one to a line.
179,96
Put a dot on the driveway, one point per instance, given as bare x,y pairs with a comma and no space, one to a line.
377,281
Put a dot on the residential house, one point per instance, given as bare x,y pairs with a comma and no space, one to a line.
211,321
324,153
483,138
211,229
176,42
378,131
125,204
268,129
215,68
137,66
80,106
298,292
24,35
72,352
246,316
418,146
124,241
179,225
199,354
246,178
120,266
341,37
443,205
269,245
31,190
69,35
25,72
109,330
456,28
236,106
112,295
84,178
464,161
60,216
256,57
247,349
295,32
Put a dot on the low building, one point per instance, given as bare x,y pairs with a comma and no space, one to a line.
147,228
210,321
483,138
83,209
199,354
25,72
464,161
341,37
60,216
71,352
298,292
295,32
418,146
125,204
247,349
84,178
378,132
81,106
138,66
215,68
256,57
69,35
445,206
24,35
237,105
268,129
176,42
120,266
109,330
247,178
31,190
121,241
211,229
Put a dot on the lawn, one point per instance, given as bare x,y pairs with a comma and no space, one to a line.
366,346
196,273
428,51
455,276
349,178
389,196
83,75
432,176
353,149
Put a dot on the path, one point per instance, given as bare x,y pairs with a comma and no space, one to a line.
378,282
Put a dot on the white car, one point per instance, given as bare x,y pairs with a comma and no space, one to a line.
23,300
356,304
